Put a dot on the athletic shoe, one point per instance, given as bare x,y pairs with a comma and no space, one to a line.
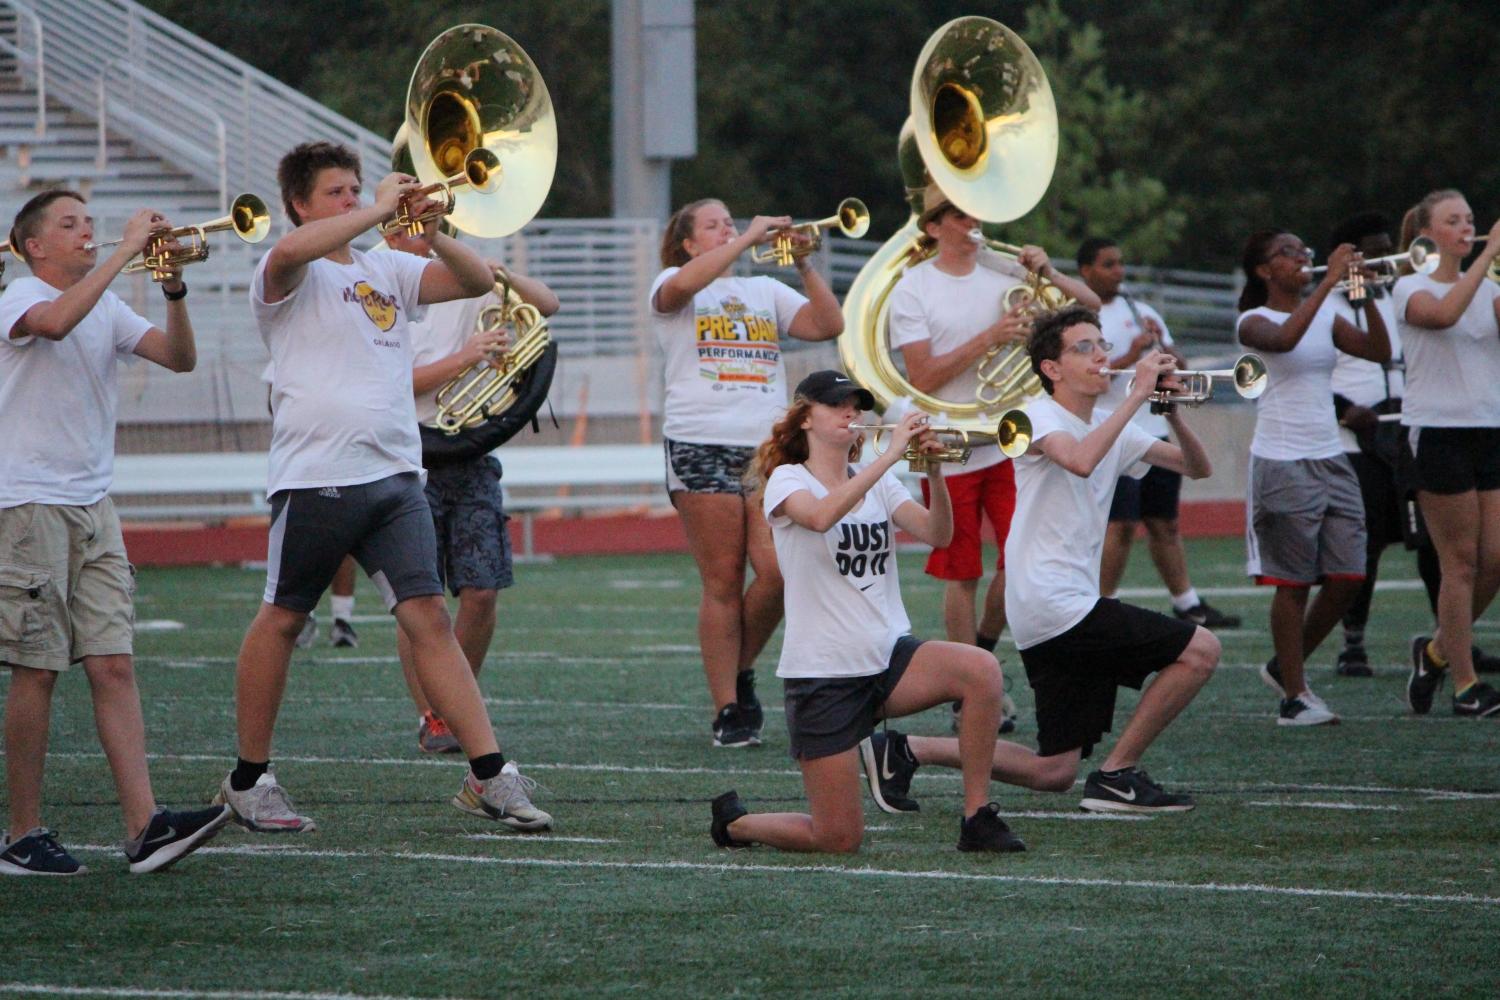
342,634
1008,715
505,797
1130,790
1484,663
264,808
750,711
1479,702
434,736
172,836
726,809
986,831
309,633
1353,662
888,768
1271,674
1426,677
1305,710
1208,616
38,853
732,729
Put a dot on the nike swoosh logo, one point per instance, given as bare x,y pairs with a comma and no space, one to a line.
867,586
169,835
1116,791
886,774
20,860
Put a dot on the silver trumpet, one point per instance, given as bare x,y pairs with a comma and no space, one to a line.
1248,375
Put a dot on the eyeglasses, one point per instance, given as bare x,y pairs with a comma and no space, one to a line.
1296,253
1087,347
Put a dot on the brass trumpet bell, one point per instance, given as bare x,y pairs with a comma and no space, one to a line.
984,118
1249,377
481,125
248,218
852,219
1014,433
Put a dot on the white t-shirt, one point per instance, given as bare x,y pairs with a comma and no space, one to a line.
439,330
341,401
1294,417
1057,534
843,597
1357,380
1452,375
948,310
58,399
726,382
1119,327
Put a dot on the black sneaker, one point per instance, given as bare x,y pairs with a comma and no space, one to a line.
1484,663
1130,790
986,831
1353,662
731,729
1426,677
172,836
342,634
726,809
1479,702
38,853
1007,716
744,695
888,769
1271,674
1208,616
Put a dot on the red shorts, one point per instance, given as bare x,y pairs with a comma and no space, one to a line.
989,492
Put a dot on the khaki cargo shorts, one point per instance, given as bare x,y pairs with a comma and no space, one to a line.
65,585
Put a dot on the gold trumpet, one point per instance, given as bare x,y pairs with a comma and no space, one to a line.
1014,435
958,444
481,174
487,387
248,219
852,219
1248,376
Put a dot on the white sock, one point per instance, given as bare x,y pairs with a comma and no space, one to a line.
1184,601
343,607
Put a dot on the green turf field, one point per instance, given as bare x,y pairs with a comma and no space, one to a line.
1354,860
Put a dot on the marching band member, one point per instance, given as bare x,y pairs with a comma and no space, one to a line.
1152,499
468,511
67,584
345,474
1306,523
1449,325
1079,648
946,314
725,387
848,658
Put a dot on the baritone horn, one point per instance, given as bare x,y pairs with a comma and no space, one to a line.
1248,376
248,219
488,387
852,219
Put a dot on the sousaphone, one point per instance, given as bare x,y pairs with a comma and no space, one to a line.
983,127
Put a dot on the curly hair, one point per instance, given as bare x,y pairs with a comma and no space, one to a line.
1046,340
679,228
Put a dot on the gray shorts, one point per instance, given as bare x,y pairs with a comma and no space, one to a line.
828,715
385,525
468,517
1307,522
65,585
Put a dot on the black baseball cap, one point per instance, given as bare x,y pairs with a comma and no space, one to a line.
831,388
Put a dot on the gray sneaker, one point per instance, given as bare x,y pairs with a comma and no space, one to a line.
309,633
504,797
264,808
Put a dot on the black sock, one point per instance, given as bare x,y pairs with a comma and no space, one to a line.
1354,636
986,642
486,766
904,748
246,773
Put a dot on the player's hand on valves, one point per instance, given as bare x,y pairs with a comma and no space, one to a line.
1491,246
1014,325
1035,260
487,344
911,424
1338,263
390,189
761,226
139,228
1153,372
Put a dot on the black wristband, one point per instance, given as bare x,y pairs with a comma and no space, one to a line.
176,296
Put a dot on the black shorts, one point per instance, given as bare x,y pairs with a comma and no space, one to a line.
1452,460
468,517
1384,517
385,525
828,715
1074,676
1154,495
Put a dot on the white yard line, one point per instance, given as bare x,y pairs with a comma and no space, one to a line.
795,870
1282,804
48,989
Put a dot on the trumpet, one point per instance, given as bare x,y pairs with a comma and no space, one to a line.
852,219
248,218
1014,435
958,444
1248,375
1422,256
481,174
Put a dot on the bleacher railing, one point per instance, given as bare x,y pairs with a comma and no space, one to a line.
173,92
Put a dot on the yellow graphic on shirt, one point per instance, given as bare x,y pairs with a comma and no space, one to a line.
737,345
380,307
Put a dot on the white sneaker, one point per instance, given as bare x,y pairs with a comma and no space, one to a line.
264,808
503,797
1306,709
309,633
